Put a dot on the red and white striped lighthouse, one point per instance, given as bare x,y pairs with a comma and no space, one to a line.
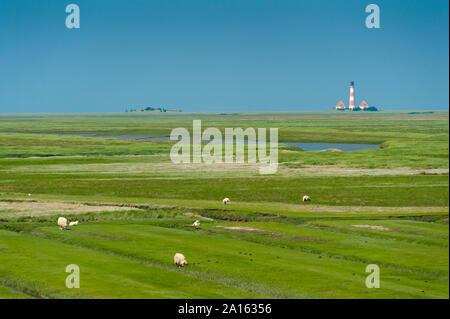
351,104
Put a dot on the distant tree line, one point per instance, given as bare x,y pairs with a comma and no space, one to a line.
149,108
357,108
370,109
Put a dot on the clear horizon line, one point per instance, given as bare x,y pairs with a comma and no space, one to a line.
262,111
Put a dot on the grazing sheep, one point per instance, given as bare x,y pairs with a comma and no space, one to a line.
62,223
180,260
226,201
29,194
306,198
73,223
196,223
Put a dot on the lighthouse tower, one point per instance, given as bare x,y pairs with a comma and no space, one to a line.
351,104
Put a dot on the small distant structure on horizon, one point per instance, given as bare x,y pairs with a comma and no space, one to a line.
363,105
351,105
340,106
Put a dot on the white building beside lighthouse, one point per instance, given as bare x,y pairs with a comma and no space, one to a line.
340,106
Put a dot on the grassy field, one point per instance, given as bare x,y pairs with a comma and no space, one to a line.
386,206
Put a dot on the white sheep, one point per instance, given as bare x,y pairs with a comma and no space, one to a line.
226,201
62,223
306,198
180,260
196,223
73,223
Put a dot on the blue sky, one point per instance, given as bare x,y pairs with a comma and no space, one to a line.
222,55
